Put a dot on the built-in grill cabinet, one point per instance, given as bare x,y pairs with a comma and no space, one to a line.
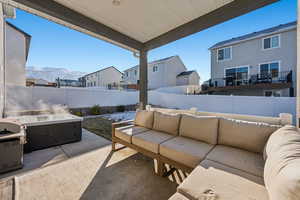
12,139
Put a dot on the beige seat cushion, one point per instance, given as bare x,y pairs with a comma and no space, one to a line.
178,196
203,128
167,123
150,140
246,161
144,118
282,168
126,132
224,182
184,150
250,136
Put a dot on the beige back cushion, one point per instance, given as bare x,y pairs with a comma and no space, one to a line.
167,123
173,111
250,136
250,118
282,167
144,118
199,128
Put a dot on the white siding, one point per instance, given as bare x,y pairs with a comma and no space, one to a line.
191,79
104,77
194,79
165,76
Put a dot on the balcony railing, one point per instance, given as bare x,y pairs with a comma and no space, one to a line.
244,79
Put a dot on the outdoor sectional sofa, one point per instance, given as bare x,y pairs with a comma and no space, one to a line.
228,159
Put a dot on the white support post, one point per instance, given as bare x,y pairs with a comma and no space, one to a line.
2,54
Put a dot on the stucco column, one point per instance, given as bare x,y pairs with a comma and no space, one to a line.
143,83
2,52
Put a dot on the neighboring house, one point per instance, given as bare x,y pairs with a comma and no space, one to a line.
262,63
30,82
17,48
161,73
188,78
103,78
67,83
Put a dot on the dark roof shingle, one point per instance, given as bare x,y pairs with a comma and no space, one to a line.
186,73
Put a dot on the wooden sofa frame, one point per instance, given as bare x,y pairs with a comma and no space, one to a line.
161,160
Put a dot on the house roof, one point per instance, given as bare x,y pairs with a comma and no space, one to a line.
186,73
139,24
253,35
27,36
154,62
103,70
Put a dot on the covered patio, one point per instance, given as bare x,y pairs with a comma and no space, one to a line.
81,172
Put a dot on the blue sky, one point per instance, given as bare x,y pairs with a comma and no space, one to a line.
53,45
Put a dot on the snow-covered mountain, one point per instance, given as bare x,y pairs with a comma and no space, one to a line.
51,73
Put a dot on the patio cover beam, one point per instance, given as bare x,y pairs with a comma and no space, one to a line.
70,16
222,14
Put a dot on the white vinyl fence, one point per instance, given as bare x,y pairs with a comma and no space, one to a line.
35,98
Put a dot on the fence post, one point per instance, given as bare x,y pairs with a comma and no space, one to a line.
286,118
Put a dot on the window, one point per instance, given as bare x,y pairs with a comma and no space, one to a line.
126,74
271,42
236,75
272,93
271,69
135,72
224,54
155,68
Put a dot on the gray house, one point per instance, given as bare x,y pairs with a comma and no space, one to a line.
262,63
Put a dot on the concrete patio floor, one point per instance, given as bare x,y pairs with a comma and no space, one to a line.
87,170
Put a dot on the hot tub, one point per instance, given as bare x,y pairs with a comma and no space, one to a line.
44,131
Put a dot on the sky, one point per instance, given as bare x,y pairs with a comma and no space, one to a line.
53,45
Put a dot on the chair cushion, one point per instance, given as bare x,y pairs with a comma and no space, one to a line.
184,150
282,168
249,118
126,132
246,161
178,196
250,136
150,140
203,128
222,182
144,118
167,123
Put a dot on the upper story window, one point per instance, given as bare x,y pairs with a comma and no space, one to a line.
126,74
155,68
224,54
271,68
271,42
